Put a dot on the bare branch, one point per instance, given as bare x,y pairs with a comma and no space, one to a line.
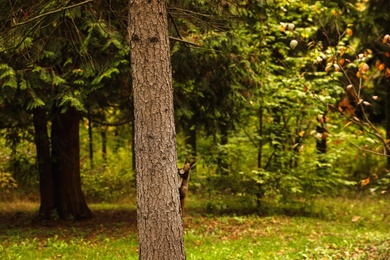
183,41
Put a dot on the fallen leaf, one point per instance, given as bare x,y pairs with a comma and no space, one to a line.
355,218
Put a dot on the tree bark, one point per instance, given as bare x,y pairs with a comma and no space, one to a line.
70,200
160,231
42,142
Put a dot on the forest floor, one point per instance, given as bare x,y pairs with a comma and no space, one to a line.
112,234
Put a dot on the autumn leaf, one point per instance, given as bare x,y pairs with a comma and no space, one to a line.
387,73
365,181
355,218
347,124
385,38
349,31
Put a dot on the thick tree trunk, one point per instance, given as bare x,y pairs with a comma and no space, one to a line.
42,143
70,200
160,231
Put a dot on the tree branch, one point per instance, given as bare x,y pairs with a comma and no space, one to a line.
52,12
183,41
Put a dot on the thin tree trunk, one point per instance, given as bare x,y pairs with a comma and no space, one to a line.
46,185
70,200
90,137
160,231
190,132
103,134
223,166
260,144
387,104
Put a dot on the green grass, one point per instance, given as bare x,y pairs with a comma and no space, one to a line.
346,229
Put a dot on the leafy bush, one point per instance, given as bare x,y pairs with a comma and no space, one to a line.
110,181
7,182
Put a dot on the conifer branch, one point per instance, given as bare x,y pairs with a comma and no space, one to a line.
52,12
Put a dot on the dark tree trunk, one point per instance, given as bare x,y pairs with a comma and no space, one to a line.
222,161
42,142
321,142
190,132
66,166
103,134
321,130
260,144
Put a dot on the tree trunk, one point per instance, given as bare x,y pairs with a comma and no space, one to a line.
70,200
42,143
222,160
160,231
260,134
90,138
103,134
190,135
387,104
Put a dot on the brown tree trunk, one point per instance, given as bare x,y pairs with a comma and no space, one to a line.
42,142
70,200
160,231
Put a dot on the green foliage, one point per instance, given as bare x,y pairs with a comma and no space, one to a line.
7,76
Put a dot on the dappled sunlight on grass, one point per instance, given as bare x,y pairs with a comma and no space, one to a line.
7,206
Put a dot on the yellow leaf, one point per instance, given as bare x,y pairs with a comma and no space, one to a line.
349,31
301,133
347,124
355,218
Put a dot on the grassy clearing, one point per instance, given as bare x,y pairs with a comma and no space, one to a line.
347,229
